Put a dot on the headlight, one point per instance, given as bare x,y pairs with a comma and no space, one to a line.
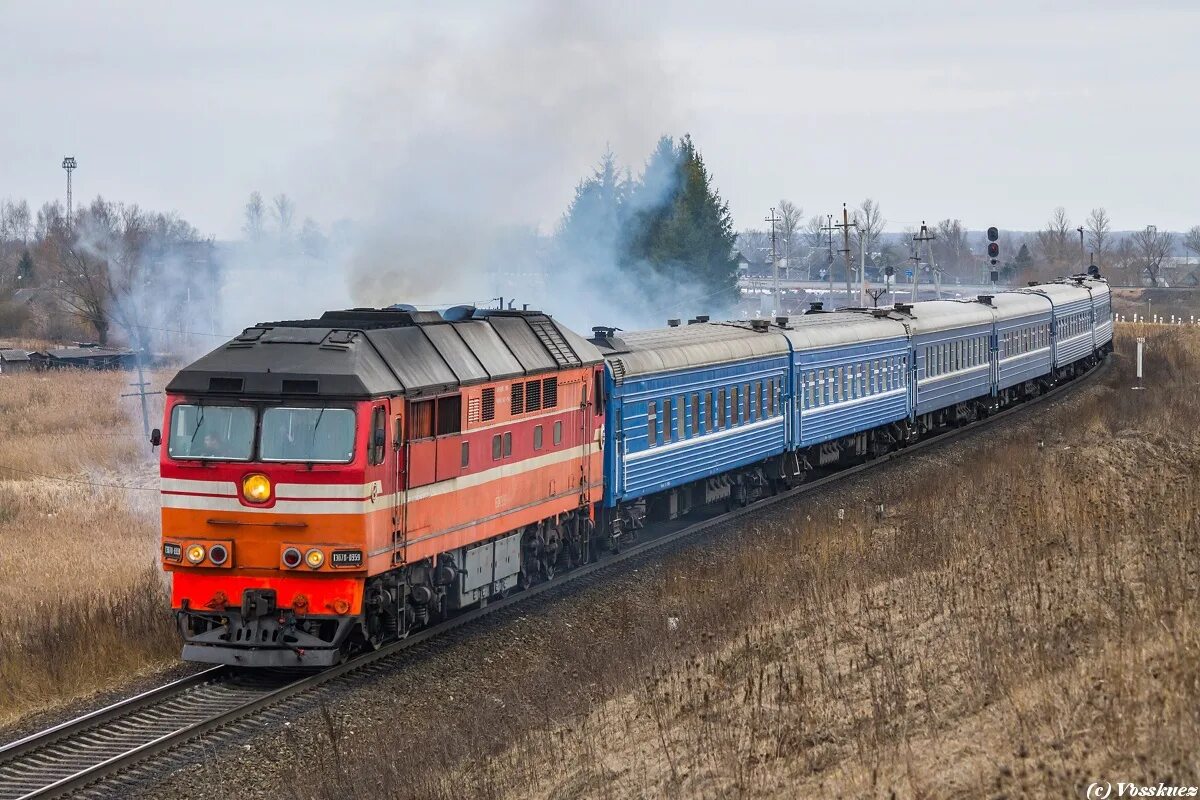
291,558
314,558
256,488
218,554
195,553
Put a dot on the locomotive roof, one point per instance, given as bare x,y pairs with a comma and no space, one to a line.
371,352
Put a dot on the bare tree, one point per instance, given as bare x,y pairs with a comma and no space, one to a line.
1153,247
869,227
1191,240
1124,262
284,210
814,237
119,266
1098,227
255,214
1054,241
791,216
16,222
951,248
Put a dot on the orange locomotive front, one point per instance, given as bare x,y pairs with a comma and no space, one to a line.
332,484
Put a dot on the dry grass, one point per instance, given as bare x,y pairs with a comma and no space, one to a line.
82,599
1023,620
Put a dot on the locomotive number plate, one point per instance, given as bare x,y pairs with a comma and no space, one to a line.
346,558
172,551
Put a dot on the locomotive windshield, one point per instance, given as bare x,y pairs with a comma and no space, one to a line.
211,432
308,434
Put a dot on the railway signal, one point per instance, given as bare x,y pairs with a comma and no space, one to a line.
993,251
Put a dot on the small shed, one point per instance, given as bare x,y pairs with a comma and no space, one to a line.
15,361
88,357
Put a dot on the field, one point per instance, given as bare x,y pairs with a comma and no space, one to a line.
1183,304
81,596
1021,619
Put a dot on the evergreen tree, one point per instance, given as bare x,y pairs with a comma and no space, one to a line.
25,269
591,233
650,204
668,230
1024,261
694,244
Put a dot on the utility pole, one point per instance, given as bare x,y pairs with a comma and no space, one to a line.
845,225
69,165
774,262
862,270
927,237
916,259
830,227
1082,266
141,392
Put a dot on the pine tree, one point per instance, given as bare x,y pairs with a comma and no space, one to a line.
1024,261
650,204
25,269
591,234
694,245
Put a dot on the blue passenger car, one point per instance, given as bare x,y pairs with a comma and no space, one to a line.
1071,320
849,373
688,403
1102,319
1022,339
951,350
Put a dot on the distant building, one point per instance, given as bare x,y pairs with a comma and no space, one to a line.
15,361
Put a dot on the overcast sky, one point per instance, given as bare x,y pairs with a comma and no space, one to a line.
995,116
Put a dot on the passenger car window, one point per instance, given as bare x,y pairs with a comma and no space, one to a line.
667,421
651,424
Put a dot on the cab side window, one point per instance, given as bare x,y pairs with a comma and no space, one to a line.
378,435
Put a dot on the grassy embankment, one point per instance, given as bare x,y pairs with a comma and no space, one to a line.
82,599
1022,620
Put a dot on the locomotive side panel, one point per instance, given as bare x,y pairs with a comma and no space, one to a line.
533,455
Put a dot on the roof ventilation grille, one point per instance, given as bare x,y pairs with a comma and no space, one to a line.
554,342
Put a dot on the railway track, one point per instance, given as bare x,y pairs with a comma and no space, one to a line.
82,752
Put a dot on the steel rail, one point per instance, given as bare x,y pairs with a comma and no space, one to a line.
37,753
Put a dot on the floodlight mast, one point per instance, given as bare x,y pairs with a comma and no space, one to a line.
69,165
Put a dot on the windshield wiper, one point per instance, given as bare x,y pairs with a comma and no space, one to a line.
313,439
195,433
